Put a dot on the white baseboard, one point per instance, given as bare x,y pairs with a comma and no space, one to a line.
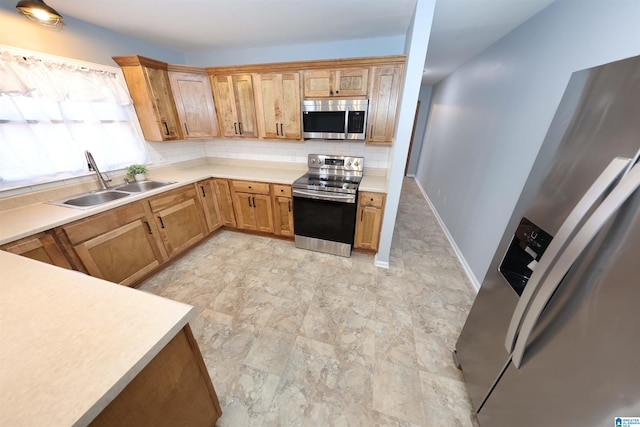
474,280
380,264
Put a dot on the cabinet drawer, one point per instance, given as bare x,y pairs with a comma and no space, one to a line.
250,187
172,197
372,199
282,190
96,225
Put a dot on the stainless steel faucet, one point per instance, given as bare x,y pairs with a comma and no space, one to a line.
94,166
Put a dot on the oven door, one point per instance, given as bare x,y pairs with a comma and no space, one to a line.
324,223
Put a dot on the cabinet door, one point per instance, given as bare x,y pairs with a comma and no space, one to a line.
207,196
194,102
339,83
318,83
245,106
385,90
123,255
369,220
167,121
368,227
180,226
263,213
226,105
278,105
290,127
41,247
225,203
269,104
283,216
351,82
245,214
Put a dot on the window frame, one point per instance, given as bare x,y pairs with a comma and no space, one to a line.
9,189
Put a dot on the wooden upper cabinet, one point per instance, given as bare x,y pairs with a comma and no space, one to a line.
148,82
194,102
41,247
384,94
236,107
278,105
336,83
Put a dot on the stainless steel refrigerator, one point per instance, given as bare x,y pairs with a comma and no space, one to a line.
553,337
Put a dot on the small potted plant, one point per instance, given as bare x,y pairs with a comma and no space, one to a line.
138,172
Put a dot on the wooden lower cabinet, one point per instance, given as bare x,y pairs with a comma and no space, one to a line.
117,245
252,205
282,210
174,389
225,202
369,220
207,195
179,219
41,247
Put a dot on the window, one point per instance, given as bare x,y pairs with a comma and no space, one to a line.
52,109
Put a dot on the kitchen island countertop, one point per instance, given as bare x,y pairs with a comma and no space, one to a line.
70,343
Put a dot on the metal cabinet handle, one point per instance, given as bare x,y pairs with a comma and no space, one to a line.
203,194
235,127
240,127
289,205
281,132
166,128
607,209
254,202
161,221
277,133
148,227
568,228
186,129
249,200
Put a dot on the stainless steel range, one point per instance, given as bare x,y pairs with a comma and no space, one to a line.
324,204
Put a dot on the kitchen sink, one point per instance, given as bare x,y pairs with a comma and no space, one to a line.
99,197
92,199
140,186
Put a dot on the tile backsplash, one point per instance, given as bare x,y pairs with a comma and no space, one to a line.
269,150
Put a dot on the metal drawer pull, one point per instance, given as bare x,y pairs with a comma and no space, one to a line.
161,221
148,227
166,128
203,194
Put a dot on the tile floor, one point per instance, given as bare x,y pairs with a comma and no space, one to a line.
298,338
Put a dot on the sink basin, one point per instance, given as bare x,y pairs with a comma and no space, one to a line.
140,186
99,197
93,199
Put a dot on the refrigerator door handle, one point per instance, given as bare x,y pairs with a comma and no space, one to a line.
568,228
627,186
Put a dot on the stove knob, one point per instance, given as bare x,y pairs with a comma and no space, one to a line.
349,164
313,160
355,164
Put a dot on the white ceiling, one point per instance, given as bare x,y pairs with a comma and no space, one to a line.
461,28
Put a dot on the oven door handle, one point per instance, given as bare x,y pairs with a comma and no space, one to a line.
349,198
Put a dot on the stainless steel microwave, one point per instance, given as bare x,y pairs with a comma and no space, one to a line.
334,119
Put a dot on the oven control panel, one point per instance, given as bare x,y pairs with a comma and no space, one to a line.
330,162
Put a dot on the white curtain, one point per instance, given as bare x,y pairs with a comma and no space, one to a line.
51,112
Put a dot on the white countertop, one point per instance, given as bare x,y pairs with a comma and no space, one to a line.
70,343
28,220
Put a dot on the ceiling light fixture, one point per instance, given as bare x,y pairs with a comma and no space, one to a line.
38,11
